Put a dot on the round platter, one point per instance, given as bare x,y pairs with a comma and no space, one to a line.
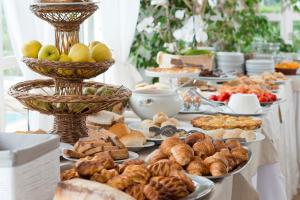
203,187
26,93
216,79
132,156
67,70
170,75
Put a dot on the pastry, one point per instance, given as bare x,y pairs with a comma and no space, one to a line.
168,123
168,143
219,145
136,191
194,137
88,166
182,176
120,182
232,161
119,154
135,138
171,185
123,166
159,118
182,153
240,155
248,135
104,175
155,191
234,133
216,134
137,173
119,129
197,167
217,164
156,155
104,119
163,167
204,148
78,189
168,131
232,143
69,174
73,154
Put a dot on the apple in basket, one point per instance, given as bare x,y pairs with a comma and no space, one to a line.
49,52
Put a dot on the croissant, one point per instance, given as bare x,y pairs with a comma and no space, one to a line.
163,167
137,173
168,144
120,182
232,163
204,148
194,137
172,185
104,175
129,162
219,145
156,156
182,176
232,143
182,153
240,154
197,167
217,164
136,191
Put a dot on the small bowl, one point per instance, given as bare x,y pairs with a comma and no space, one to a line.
244,103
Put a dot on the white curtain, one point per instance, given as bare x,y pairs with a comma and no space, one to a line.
24,26
117,23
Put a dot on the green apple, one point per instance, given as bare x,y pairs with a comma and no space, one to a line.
100,52
31,49
94,43
49,52
79,53
64,58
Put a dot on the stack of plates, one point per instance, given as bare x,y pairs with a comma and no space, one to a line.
258,66
230,62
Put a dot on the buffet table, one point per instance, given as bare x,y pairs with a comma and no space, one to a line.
273,172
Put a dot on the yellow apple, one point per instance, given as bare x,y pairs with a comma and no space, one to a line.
94,43
64,58
100,52
31,49
79,53
49,52
92,60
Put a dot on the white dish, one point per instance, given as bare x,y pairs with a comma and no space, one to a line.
63,146
244,103
138,125
203,187
227,111
132,156
216,79
139,148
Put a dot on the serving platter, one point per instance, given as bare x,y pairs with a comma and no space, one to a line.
216,79
203,187
139,148
171,75
132,156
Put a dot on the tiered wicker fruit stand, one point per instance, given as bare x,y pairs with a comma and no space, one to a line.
68,104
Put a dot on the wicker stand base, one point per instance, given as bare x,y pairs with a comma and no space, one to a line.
70,128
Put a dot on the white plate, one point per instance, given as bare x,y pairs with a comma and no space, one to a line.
138,125
139,148
226,111
203,187
169,75
132,156
63,146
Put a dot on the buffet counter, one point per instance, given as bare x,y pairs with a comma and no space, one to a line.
273,171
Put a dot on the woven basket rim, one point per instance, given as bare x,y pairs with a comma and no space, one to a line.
123,93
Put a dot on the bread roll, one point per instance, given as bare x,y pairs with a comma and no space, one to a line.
119,129
159,118
78,189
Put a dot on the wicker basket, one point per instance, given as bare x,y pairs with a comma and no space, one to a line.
67,70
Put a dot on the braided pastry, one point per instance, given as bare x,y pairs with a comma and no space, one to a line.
204,148
163,167
168,144
136,191
120,182
154,191
88,166
130,162
197,167
182,153
156,156
182,176
104,175
217,164
240,155
69,174
137,173
172,185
